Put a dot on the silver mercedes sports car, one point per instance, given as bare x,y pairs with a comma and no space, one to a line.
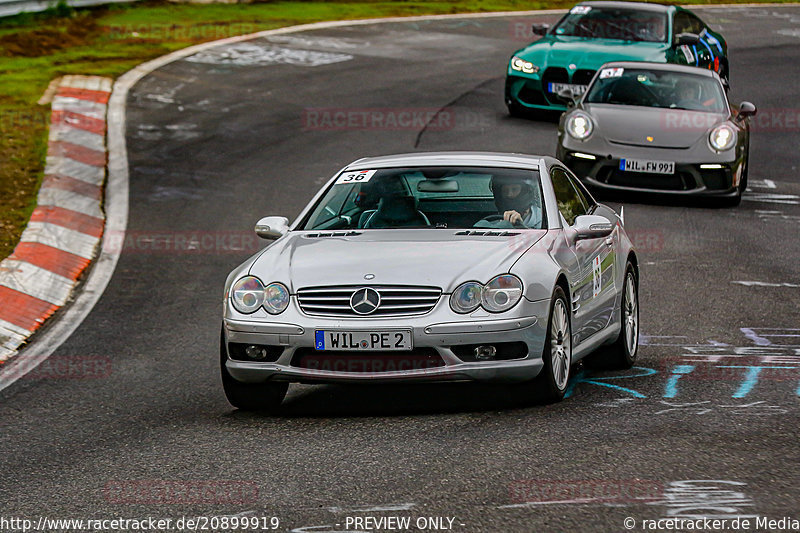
456,266
658,128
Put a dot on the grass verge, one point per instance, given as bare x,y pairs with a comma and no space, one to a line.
108,41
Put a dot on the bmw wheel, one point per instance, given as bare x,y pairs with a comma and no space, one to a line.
263,397
557,354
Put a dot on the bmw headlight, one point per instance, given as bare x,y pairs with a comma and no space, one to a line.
277,298
466,298
502,293
520,65
580,126
249,293
722,137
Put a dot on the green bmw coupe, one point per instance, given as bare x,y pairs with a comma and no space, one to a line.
594,33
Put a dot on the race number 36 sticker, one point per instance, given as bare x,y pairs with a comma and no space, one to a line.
597,277
357,176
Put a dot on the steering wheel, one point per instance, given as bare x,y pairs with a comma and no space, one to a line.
498,218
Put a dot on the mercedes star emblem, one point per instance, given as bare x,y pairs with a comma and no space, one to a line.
365,301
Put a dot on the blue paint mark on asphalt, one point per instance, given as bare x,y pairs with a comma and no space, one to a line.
583,378
750,380
671,389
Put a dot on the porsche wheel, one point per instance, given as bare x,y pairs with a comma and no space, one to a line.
557,354
262,397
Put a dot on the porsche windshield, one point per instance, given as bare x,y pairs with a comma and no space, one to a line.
431,197
623,24
657,88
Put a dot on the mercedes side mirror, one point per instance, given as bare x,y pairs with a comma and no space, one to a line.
686,39
592,227
272,228
540,29
746,110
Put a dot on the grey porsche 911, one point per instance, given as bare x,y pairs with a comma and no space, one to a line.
658,128
456,266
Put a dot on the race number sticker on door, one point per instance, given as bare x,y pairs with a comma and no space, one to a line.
597,277
356,176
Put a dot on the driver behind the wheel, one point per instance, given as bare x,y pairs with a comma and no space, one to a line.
689,94
518,203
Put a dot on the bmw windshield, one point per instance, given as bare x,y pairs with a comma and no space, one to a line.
613,23
657,88
431,197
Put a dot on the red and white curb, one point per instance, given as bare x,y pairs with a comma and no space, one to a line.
65,228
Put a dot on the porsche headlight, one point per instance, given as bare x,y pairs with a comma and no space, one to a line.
520,65
502,293
579,126
248,294
277,299
466,298
722,137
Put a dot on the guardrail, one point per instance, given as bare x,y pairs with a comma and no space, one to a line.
15,7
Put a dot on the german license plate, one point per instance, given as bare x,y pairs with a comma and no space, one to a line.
577,90
354,341
647,166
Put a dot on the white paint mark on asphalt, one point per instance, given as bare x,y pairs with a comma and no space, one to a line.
697,499
374,508
178,132
762,184
757,339
618,402
253,54
776,215
766,284
794,32
759,408
324,43
791,199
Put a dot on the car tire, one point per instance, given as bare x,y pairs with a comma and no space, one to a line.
623,352
260,397
735,200
552,381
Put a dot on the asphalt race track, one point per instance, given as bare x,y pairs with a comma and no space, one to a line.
218,140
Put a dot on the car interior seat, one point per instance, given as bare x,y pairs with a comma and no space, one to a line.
395,211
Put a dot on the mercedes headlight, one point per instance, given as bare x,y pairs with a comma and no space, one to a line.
579,126
466,298
722,137
502,293
277,299
520,65
249,293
